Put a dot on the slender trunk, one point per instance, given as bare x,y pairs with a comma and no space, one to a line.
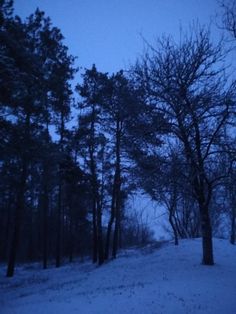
173,227
20,201
120,235
8,226
19,209
111,221
232,236
46,194
100,236
94,184
30,247
95,237
59,207
71,230
58,241
71,239
45,226
116,230
177,227
117,189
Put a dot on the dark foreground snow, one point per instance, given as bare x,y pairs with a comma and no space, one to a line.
161,281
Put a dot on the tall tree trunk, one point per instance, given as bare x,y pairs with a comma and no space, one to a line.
45,225
19,210
46,196
100,236
58,240
8,225
95,233
60,183
71,241
111,220
94,184
20,200
232,236
116,229
31,244
117,190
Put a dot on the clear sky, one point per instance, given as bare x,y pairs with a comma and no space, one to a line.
107,32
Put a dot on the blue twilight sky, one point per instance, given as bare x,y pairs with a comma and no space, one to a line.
107,32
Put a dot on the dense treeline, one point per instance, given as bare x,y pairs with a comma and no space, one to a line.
166,126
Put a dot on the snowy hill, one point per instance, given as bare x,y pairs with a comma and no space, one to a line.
152,280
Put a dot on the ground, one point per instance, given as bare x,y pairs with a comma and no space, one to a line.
158,280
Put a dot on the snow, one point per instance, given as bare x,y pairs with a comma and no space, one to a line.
154,279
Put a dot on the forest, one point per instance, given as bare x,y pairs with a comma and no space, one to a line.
72,153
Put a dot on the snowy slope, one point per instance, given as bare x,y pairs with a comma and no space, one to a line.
152,280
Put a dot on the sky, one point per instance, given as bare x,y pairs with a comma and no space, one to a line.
109,32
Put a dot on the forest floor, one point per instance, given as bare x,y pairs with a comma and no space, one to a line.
158,280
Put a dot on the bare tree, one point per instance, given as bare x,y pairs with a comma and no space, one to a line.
186,83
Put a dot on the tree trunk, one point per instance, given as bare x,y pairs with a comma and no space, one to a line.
30,233
207,246
232,236
100,236
71,237
8,226
19,209
117,227
111,221
58,240
117,190
45,226
173,227
95,233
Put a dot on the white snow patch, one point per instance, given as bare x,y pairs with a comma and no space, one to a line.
156,280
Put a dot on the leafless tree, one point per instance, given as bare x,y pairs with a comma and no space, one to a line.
186,82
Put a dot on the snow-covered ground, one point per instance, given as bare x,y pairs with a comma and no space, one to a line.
164,279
